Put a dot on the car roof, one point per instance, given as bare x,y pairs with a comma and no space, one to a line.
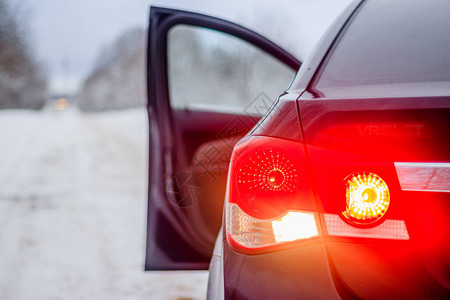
312,62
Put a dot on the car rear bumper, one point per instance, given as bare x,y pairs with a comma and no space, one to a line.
329,271
300,273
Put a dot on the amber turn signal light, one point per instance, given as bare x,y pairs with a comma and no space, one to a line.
367,198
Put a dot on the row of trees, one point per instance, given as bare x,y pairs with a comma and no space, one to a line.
118,79
22,82
205,68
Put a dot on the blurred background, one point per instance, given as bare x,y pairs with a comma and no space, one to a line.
74,135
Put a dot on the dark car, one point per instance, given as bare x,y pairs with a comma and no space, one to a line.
340,190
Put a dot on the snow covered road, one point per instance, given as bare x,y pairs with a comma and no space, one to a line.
72,209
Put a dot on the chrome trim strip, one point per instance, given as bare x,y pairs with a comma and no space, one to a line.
389,229
427,177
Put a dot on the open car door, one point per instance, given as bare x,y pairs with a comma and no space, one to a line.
209,83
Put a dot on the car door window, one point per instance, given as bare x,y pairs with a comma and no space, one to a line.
211,70
219,87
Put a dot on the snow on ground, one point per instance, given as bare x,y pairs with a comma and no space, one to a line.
72,209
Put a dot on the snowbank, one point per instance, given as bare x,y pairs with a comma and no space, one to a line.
72,209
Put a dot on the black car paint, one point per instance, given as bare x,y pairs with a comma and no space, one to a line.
321,269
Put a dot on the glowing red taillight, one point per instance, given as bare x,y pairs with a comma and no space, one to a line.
267,170
269,200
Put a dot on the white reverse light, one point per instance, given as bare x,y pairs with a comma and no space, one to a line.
254,233
294,226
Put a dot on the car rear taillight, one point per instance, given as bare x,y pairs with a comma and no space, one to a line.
360,197
269,200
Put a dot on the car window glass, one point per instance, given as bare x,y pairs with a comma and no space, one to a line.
210,70
388,46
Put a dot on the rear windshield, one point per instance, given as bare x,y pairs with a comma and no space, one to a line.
392,43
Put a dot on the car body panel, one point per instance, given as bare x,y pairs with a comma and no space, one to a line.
344,133
377,128
299,273
348,135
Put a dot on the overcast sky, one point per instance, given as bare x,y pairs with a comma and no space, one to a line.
68,35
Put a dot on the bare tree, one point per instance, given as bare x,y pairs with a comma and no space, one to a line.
118,79
22,83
